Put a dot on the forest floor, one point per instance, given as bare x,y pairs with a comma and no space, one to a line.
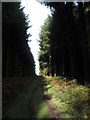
71,99
30,102
43,97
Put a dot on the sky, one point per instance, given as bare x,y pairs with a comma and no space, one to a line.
37,14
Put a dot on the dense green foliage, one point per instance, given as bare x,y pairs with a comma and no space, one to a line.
17,58
68,41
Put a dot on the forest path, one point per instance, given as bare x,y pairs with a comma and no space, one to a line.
48,99
38,98
33,102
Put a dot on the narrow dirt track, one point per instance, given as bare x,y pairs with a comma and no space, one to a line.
52,108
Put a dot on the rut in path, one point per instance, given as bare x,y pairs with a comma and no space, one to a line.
52,108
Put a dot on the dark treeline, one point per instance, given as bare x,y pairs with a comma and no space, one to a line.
65,41
16,55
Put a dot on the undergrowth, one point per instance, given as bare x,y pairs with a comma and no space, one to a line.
71,98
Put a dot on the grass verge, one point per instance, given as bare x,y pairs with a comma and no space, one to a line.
71,98
40,106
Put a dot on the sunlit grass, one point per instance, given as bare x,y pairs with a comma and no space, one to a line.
70,98
40,106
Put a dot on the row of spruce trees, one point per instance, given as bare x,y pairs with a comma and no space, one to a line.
17,59
65,41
